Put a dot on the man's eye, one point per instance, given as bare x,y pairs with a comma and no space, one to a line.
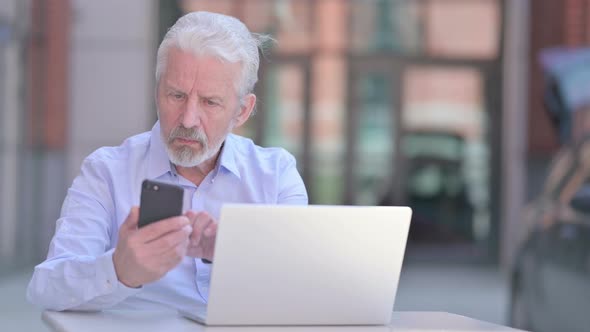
177,96
210,102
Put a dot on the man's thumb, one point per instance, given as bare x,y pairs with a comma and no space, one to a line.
130,223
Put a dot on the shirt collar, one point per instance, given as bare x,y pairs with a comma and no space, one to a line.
227,159
159,163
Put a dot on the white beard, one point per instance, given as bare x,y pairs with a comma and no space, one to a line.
185,156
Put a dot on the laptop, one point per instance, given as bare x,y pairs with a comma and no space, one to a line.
305,265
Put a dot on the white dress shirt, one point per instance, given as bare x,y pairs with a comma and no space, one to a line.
79,274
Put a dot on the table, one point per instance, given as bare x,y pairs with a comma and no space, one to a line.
147,321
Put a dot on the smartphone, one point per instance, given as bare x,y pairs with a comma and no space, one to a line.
159,201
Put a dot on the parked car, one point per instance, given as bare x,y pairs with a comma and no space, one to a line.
550,279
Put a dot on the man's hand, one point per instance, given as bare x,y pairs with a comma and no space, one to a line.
145,255
202,239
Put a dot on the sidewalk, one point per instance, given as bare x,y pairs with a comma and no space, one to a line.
478,292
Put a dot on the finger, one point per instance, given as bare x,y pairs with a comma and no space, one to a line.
198,226
171,257
211,229
201,221
130,223
191,215
165,260
157,229
169,240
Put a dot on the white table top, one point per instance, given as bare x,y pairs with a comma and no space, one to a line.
147,321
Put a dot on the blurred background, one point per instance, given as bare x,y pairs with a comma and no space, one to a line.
435,104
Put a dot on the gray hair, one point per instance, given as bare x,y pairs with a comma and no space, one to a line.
222,36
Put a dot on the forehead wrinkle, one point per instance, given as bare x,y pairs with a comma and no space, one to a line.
179,81
205,76
212,86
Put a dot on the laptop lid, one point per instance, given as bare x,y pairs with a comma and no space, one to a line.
306,265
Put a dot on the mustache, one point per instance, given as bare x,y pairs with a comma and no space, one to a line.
192,134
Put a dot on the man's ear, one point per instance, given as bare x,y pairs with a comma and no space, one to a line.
245,109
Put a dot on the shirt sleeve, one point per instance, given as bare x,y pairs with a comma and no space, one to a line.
79,272
291,187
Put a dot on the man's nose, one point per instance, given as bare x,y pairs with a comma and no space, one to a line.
191,115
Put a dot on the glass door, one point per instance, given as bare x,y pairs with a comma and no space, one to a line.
282,116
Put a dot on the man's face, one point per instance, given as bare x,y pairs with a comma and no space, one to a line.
198,106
